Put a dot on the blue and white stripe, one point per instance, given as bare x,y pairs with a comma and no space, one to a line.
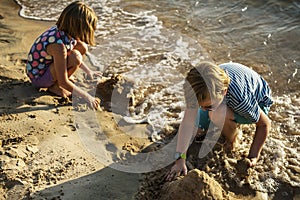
247,90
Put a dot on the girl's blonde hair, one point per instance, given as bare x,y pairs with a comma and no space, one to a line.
79,21
206,80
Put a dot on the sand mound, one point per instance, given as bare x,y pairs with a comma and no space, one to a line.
195,185
115,93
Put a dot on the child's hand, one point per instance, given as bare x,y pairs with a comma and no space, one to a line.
178,168
94,74
94,103
253,162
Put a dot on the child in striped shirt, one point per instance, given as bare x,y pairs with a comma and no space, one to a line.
226,95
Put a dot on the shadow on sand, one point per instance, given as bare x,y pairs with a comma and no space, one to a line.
104,184
20,97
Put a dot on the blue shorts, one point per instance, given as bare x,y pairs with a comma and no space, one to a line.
203,121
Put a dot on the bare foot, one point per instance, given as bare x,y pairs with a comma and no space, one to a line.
59,91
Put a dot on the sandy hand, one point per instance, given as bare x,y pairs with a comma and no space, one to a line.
178,168
243,165
94,103
94,74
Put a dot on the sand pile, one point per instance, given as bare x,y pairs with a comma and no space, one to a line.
197,185
115,93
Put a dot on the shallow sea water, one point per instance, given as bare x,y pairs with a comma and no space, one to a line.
154,42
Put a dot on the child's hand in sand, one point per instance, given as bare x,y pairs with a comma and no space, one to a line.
94,102
178,168
94,74
253,161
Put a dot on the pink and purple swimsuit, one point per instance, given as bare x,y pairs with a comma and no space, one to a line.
37,67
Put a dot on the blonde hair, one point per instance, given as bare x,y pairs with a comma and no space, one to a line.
206,80
79,21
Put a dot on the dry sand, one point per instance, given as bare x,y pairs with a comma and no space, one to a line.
41,154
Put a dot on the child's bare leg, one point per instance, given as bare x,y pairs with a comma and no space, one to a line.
55,88
74,62
223,117
230,144
82,47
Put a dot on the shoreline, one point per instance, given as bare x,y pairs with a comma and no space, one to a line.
30,18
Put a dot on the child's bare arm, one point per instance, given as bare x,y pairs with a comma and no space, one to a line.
186,130
185,133
90,73
262,129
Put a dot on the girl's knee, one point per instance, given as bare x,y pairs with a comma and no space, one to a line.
74,58
81,47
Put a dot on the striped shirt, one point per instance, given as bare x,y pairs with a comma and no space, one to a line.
247,90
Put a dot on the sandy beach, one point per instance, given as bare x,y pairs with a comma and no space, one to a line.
43,157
